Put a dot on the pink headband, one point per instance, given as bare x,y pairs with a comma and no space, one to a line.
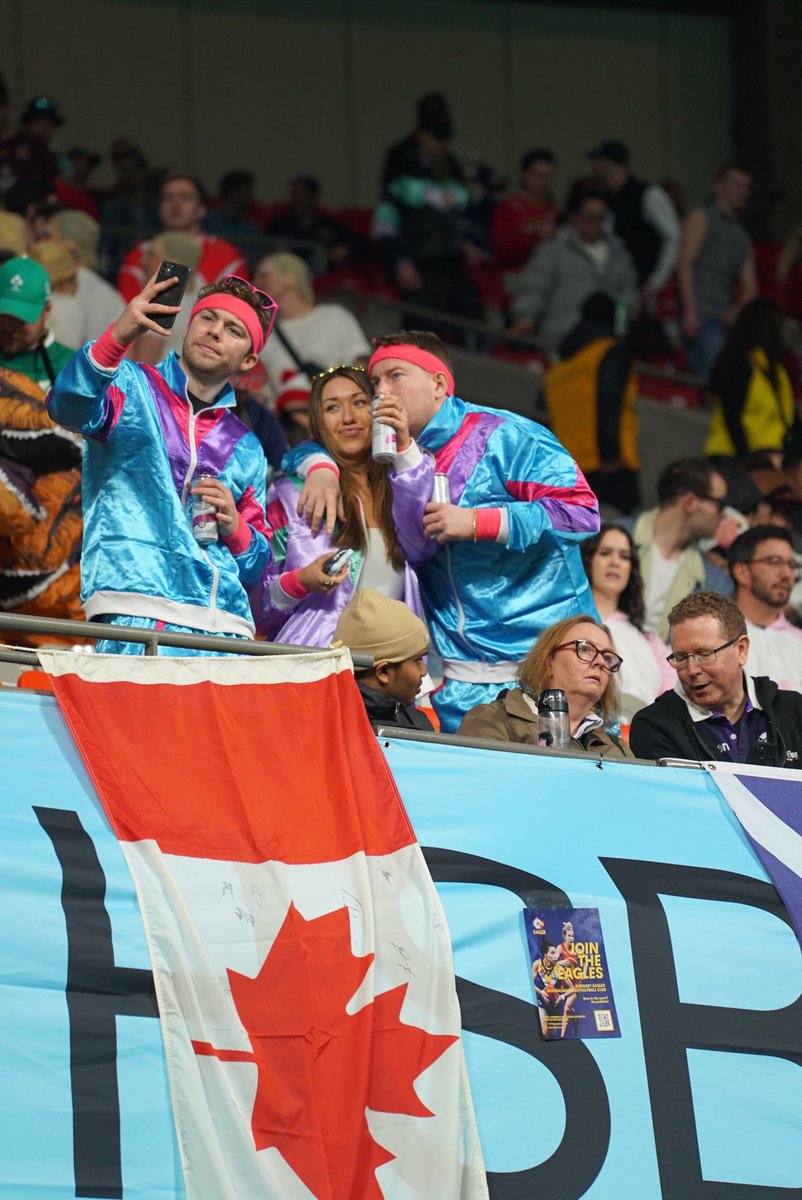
419,358
237,308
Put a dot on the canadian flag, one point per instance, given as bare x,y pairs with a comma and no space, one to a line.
301,956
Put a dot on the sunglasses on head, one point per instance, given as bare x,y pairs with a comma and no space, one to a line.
265,302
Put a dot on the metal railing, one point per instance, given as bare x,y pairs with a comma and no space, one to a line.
388,733
152,639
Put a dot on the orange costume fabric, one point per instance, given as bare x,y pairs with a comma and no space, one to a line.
40,508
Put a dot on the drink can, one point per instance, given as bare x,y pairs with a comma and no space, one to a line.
384,440
441,492
203,516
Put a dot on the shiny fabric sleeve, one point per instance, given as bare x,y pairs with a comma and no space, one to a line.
300,459
548,491
269,610
293,546
412,480
253,556
89,398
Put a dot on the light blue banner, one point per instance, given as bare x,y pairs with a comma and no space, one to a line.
736,1118
706,972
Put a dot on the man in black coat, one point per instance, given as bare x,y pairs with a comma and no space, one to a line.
717,711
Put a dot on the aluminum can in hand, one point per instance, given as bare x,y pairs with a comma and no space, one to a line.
441,492
384,440
203,516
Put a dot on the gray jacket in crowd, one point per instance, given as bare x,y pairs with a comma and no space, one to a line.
560,276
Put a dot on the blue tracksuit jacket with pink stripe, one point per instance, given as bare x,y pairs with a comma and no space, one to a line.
487,602
144,445
490,600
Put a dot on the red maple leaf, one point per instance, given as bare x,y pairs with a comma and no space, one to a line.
319,1067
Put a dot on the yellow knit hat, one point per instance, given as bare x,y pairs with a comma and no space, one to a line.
387,629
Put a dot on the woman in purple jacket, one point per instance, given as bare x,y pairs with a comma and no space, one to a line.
300,603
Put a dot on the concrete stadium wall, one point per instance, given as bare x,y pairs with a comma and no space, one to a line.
325,85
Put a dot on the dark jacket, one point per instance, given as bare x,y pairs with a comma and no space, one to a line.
666,729
384,710
639,236
510,719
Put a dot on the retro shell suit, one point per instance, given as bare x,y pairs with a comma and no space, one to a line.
144,445
312,620
487,602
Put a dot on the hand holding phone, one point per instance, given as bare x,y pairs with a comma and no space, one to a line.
171,296
338,561
143,314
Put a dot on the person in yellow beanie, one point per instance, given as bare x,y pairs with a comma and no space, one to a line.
374,624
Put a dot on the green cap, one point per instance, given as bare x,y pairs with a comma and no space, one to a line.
24,289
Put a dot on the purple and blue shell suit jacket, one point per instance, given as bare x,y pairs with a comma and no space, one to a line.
143,446
487,602
311,620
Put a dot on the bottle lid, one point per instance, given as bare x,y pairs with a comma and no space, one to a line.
552,700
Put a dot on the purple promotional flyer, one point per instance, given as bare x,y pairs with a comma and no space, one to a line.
571,980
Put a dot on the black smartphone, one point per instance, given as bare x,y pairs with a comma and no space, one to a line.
173,295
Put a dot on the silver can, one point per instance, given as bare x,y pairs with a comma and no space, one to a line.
203,516
384,440
441,492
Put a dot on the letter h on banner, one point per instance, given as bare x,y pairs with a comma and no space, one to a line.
98,992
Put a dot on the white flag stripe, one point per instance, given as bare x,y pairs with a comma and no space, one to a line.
266,668
234,912
767,829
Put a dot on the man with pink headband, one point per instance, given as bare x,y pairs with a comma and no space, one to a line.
150,434
500,562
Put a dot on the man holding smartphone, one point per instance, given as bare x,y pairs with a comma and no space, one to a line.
155,438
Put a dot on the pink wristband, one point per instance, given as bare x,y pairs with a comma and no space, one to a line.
107,352
488,524
328,466
238,541
291,584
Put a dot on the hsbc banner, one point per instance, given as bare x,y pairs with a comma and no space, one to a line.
698,1094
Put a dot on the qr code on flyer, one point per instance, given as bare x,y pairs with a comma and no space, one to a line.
604,1020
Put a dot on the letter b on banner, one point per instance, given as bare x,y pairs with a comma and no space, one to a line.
672,1029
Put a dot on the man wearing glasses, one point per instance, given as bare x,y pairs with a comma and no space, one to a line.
691,495
764,569
157,438
716,710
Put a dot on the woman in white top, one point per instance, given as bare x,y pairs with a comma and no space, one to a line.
611,565
300,602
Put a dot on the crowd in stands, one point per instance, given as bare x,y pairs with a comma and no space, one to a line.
684,617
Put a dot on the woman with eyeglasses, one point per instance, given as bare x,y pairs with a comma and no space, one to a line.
612,566
577,656
301,601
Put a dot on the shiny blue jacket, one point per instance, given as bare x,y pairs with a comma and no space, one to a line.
487,602
144,445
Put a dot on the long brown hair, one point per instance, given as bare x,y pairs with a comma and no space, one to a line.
351,531
534,673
